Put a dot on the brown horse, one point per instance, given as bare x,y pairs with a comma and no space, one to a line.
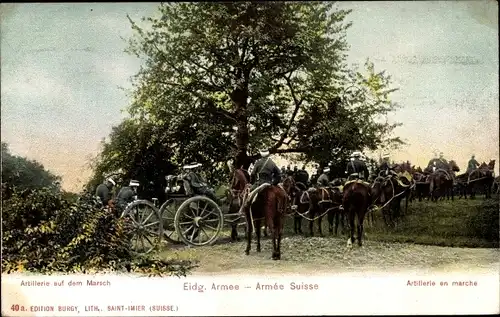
422,184
356,200
388,193
269,205
316,199
441,182
335,211
240,180
482,179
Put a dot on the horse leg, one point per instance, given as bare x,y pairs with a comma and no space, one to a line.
361,216
330,216
234,231
249,233
258,224
337,219
319,226
311,223
351,222
296,224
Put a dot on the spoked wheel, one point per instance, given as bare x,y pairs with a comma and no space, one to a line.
146,225
198,221
167,211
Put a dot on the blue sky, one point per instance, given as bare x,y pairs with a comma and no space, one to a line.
63,64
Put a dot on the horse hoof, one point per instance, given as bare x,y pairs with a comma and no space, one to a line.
258,249
247,252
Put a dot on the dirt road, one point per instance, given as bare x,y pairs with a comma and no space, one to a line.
308,256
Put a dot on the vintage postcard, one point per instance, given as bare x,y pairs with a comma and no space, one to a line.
249,158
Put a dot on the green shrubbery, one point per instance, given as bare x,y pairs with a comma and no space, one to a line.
44,232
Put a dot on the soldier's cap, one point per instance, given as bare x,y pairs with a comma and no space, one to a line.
326,169
191,166
133,183
356,154
386,155
109,179
264,152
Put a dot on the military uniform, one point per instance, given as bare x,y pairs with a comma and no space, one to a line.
302,177
125,196
472,165
323,180
357,166
265,171
200,187
104,193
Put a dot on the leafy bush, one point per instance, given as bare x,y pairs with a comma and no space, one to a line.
43,232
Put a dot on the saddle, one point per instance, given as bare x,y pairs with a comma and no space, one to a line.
356,181
252,196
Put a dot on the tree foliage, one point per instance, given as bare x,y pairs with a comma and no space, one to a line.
224,79
22,173
135,151
42,232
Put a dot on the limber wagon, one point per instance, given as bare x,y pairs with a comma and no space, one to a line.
185,217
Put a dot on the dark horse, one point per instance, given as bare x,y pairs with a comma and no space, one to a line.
481,179
239,182
356,201
441,182
317,201
270,205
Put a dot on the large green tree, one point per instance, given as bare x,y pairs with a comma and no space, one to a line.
134,151
23,173
221,80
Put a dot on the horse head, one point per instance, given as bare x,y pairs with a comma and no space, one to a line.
491,165
453,165
290,187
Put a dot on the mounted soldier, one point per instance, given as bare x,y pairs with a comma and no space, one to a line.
197,183
323,180
442,162
265,171
356,168
472,165
302,178
103,191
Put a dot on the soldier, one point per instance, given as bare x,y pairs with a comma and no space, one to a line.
442,162
472,165
384,166
288,171
315,175
127,194
103,191
356,167
265,171
295,170
198,184
323,180
283,170
302,177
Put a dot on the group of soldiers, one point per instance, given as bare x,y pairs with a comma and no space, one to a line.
128,194
265,170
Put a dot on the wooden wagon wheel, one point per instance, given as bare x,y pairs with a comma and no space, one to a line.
167,212
198,221
146,225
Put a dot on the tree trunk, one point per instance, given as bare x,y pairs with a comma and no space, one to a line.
240,99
